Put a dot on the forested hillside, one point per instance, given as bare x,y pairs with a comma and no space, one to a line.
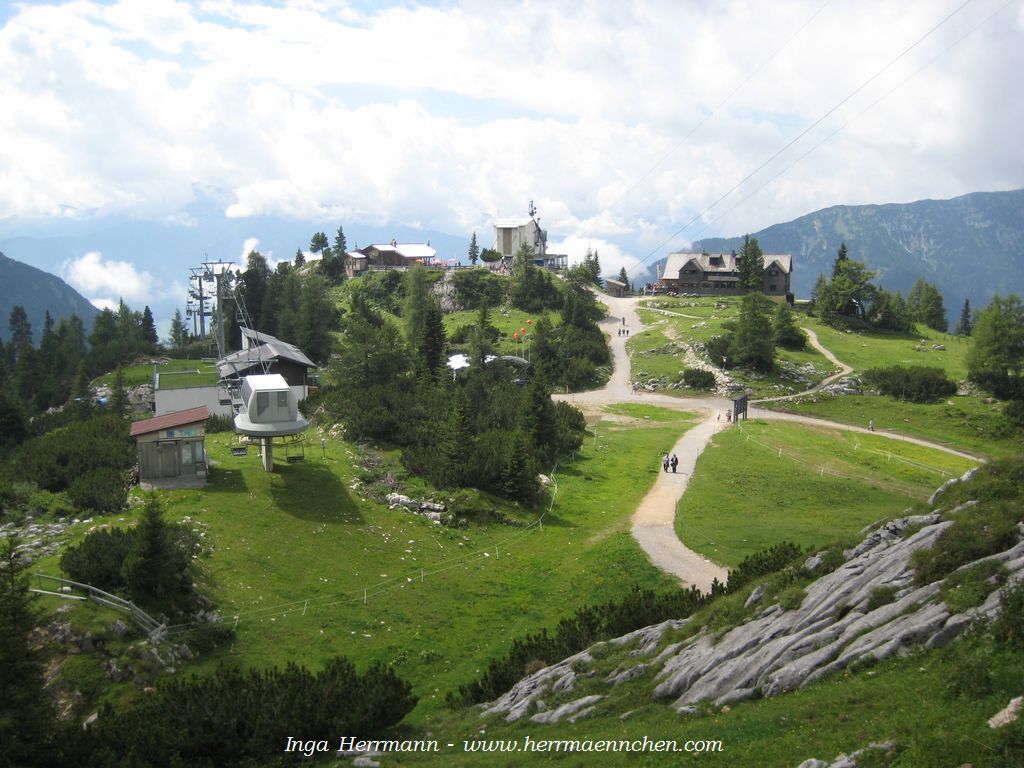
970,247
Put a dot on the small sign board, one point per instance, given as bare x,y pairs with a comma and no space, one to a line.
739,407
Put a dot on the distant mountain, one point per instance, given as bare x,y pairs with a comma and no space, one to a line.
38,292
970,247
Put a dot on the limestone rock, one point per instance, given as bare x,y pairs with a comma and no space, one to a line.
1007,715
566,710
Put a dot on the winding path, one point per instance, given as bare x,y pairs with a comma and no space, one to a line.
654,519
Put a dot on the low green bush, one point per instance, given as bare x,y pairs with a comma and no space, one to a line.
762,563
880,596
640,608
102,490
235,717
977,532
918,384
792,598
1008,627
969,587
697,378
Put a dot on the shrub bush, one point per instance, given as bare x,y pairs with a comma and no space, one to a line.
977,532
792,598
1008,627
969,587
99,558
762,563
103,490
918,384
234,717
217,422
639,608
880,596
698,378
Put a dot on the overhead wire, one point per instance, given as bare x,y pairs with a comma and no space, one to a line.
864,111
807,130
717,107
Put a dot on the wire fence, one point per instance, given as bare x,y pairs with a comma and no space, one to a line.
824,470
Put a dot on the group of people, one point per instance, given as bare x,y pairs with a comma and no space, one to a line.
623,331
670,461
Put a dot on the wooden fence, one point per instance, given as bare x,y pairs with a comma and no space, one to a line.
145,622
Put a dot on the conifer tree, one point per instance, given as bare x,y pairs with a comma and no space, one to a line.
624,279
300,258
149,334
751,266
966,324
474,250
24,704
519,480
841,256
785,332
751,345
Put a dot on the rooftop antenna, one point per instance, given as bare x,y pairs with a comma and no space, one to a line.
532,210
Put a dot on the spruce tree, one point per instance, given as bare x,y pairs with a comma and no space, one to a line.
24,704
474,250
966,324
785,332
300,258
751,344
841,257
751,267
149,334
624,279
519,480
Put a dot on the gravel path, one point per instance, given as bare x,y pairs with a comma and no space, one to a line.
654,519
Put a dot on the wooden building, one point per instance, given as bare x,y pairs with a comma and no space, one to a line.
173,445
717,274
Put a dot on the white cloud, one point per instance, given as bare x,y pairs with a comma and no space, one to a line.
299,110
92,275
111,304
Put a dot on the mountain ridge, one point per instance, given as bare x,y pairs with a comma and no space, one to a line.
38,292
935,240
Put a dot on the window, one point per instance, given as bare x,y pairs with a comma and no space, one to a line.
771,287
282,401
262,403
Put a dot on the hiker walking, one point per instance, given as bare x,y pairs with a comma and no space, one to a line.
674,463
871,425
665,462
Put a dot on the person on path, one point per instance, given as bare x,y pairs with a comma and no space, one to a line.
871,425
623,319
718,416
664,462
675,463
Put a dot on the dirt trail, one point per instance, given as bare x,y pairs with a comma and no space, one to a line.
845,370
654,519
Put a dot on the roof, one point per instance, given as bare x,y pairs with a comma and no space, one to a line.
726,262
266,382
169,421
405,250
270,348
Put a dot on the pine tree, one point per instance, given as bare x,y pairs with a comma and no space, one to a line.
179,333
456,445
841,256
24,704
81,394
149,334
751,344
300,258
152,569
785,332
966,325
474,250
519,480
20,328
118,396
624,279
751,267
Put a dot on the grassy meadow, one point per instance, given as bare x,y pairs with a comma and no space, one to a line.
293,551
657,352
826,486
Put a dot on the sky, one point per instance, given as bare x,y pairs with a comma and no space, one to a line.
635,128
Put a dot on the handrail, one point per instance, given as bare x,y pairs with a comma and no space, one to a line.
147,623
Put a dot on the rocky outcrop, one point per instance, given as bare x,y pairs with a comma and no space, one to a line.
842,619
